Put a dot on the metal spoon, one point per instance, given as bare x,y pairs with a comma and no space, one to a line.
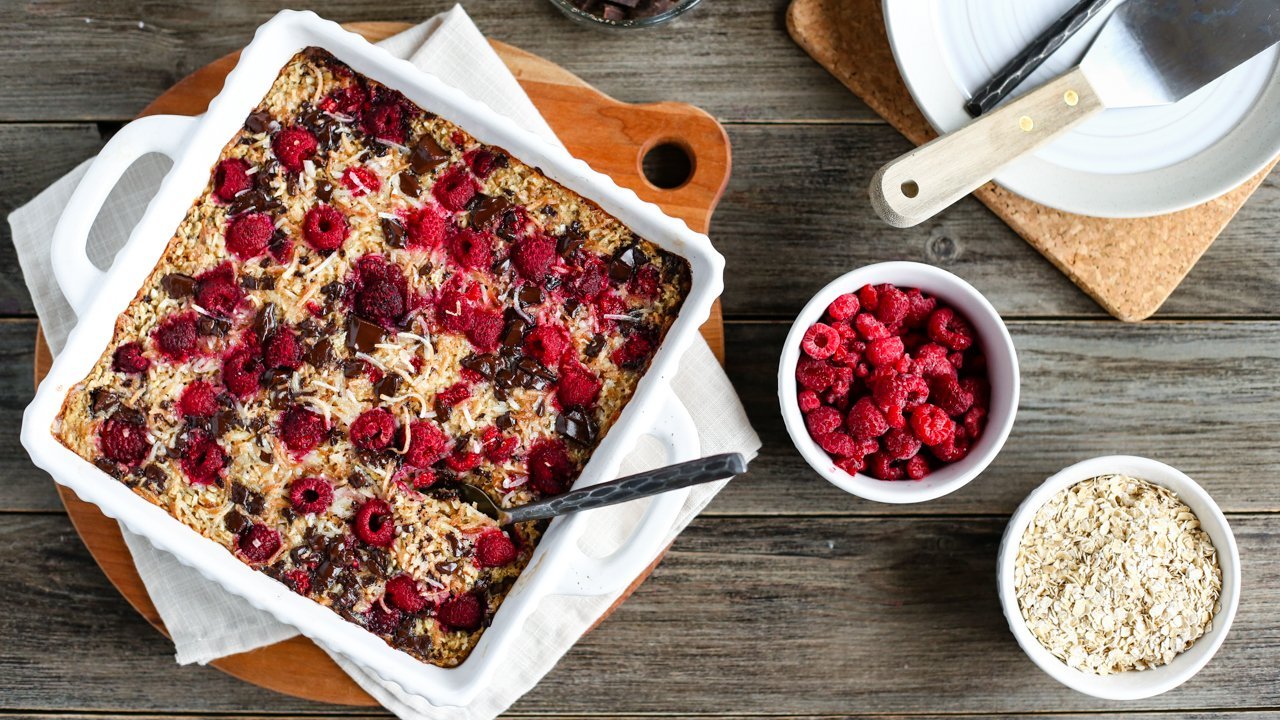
632,487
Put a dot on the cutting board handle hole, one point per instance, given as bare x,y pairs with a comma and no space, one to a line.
667,164
910,188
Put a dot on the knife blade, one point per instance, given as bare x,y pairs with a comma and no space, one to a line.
1149,52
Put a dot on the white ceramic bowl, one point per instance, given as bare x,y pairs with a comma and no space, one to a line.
1135,684
1002,364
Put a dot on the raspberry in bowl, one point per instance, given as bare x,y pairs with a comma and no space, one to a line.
898,382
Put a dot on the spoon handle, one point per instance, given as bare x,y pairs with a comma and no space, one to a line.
632,487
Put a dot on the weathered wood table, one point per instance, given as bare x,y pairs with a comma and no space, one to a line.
788,597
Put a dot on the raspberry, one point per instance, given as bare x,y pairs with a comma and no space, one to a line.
546,343
950,450
373,430
881,466
869,327
301,430
462,613
241,371
808,401
950,329
844,307
282,350
470,249
913,341
498,449
292,147
128,358
550,469
483,162
885,351
899,391
609,303
381,620
427,444
403,593
945,392
454,394
347,101
310,495
176,336
455,188
426,229
201,458
917,467
869,298
217,291
975,421
931,361
385,117
124,441
578,386
633,353
895,418
919,306
455,310
230,178
892,305
298,580
931,424
822,421
814,375
838,444
980,390
381,290
248,235
644,282
462,462
851,465
494,549
325,228
820,341
485,331
590,281
533,257
375,524
259,543
361,181
865,420
198,399
900,444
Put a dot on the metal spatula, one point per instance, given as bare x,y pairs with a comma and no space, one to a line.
1150,52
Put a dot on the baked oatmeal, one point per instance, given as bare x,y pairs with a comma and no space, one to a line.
364,307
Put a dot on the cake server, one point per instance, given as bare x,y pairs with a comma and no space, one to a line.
1149,52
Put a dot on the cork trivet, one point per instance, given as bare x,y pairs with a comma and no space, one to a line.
1128,266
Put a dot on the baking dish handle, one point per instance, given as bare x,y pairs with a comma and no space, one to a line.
76,274
673,428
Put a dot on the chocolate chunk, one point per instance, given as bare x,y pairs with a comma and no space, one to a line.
324,191
334,291
320,354
624,264
570,241
109,467
129,415
235,522
103,402
577,426
224,420
488,208
249,282
155,477
357,480
505,421
504,379
258,121
254,200
486,365
388,386
393,231
549,210
513,336
178,285
212,327
571,306
266,322
248,499
530,295
594,347
427,155
267,282
362,335
409,184
353,368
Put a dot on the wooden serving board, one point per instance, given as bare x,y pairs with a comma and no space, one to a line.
1129,266
611,136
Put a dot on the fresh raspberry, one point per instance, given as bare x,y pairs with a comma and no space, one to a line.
980,389
610,303
591,280
950,329
497,448
455,188
869,298
217,291
381,290
129,358
230,178
851,465
426,229
455,309
881,466
361,181
899,391
382,620
844,307
325,228
945,392
838,444
375,524
293,146
644,282
259,543
298,580
123,441
483,162
634,353
950,450
814,375
427,444
176,338
820,341
202,458
494,549
533,257
884,351
546,343
931,361
403,593
822,421
913,341
550,469
918,467
248,234
454,394
462,461
919,306
348,101
892,305
869,327
385,117
198,399
242,371
463,613
578,386
975,421
865,420
301,430
282,350
374,430
900,444
310,495
470,249
808,401
931,424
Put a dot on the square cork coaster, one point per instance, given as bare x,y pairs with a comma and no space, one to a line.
1129,266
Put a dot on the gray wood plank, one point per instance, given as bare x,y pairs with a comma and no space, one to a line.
106,59
746,616
1192,715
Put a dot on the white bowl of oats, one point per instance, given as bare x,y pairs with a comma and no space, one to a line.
1119,577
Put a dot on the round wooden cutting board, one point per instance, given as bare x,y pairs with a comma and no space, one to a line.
613,137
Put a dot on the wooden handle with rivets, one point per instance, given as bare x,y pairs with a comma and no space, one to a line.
931,178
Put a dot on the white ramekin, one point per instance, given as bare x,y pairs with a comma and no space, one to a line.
1135,684
1002,369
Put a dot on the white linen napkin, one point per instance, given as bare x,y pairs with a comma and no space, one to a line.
206,622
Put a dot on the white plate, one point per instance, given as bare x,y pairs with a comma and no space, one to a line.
1125,163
